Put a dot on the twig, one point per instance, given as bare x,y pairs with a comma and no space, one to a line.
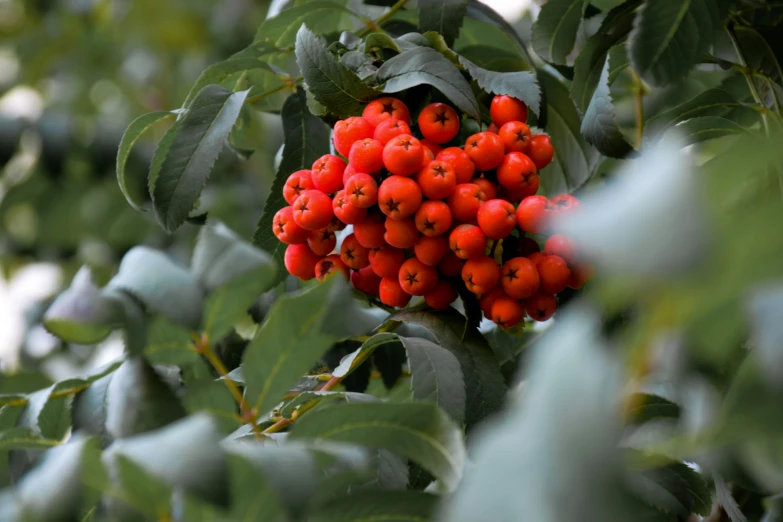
288,84
385,16
639,92
748,77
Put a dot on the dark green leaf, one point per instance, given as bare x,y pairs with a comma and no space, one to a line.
360,63
294,335
646,407
724,497
521,85
442,16
673,488
168,343
214,398
161,152
196,144
554,32
137,493
482,14
494,59
670,37
712,102
221,74
759,50
423,65
392,506
306,139
323,16
599,126
575,159
332,84
349,363
590,62
485,387
380,41
24,438
418,431
129,138
252,497
696,130
161,285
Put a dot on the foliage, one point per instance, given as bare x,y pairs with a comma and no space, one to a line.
243,395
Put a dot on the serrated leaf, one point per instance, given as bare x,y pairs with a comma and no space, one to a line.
333,85
24,438
599,126
418,431
214,398
323,16
252,497
160,154
522,85
423,65
88,412
397,506
307,138
646,407
670,37
294,335
705,128
355,358
494,59
726,500
196,144
483,14
673,488
485,386
588,66
134,131
575,159
221,73
712,102
554,32
161,285
761,50
168,343
442,16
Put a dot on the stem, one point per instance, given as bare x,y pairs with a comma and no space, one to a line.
639,92
385,16
382,306
748,76
293,82
493,248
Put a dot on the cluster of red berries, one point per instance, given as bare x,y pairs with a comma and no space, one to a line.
423,215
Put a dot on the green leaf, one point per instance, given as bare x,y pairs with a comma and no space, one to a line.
575,159
396,506
138,490
161,285
482,15
214,398
333,84
294,335
168,343
82,314
322,16
599,126
442,16
521,85
705,128
494,59
307,138
252,497
418,431
134,131
423,65
351,361
712,102
673,488
589,65
24,438
88,412
670,37
380,41
554,32
221,74
137,400
485,387
160,154
759,49
647,407
196,144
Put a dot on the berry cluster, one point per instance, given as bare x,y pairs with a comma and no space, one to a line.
423,216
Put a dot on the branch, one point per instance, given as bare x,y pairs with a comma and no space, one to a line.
375,26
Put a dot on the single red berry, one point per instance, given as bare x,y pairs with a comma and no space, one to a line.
362,190
367,156
441,296
387,260
520,278
468,241
431,249
465,201
504,109
564,203
496,218
347,173
533,214
437,180
459,159
327,173
536,257
529,188
322,242
329,265
580,275
366,281
515,135
384,109
399,197
433,218
416,278
390,128
450,265
286,229
353,254
392,294
345,211
438,122
350,130
401,233
487,187
507,312
297,183
517,172
541,150
541,307
369,233
480,274
300,261
493,128
554,274
403,155
487,299
313,210
560,245
485,149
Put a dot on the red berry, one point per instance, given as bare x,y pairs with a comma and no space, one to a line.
517,172
431,150
416,278
480,274
564,203
353,254
541,150
401,233
399,197
504,109
346,211
366,281
329,265
487,187
493,128
554,274
390,128
350,130
367,156
327,173
441,296
520,278
433,218
533,214
438,122
437,180
300,261
322,242
286,229
515,135
431,249
487,299
468,241
362,190
450,265
536,257
297,183
384,109
496,218
369,233
459,159
507,312
580,274
485,149
403,155
392,294
560,245
465,201
387,260
541,307
313,210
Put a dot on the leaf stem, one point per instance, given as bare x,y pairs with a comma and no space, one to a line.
291,83
385,16
748,77
639,92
